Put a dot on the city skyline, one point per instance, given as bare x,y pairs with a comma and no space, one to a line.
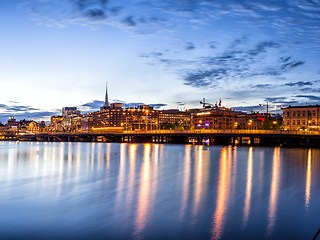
167,54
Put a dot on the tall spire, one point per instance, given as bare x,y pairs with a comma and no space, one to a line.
106,102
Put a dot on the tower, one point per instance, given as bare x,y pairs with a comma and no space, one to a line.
106,101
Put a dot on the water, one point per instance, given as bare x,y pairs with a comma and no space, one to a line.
153,191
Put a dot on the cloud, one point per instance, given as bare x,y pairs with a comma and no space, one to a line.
91,106
158,105
238,41
190,46
180,103
128,21
310,90
262,48
261,86
310,97
287,65
275,99
213,44
234,63
298,84
115,11
16,108
23,112
95,14
203,78
84,4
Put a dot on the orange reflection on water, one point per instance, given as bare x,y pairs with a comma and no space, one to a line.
308,179
133,152
248,189
61,165
274,189
200,180
144,192
108,152
232,152
100,155
78,158
222,198
186,179
156,153
131,181
155,159
121,179
92,154
70,155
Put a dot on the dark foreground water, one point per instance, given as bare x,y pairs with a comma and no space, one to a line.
152,191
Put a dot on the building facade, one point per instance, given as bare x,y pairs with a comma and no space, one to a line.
143,117
68,111
301,117
214,118
174,116
56,123
125,119
249,121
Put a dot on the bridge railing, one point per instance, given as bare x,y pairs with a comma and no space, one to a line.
225,131
194,131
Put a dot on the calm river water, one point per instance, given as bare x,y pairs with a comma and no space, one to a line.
157,191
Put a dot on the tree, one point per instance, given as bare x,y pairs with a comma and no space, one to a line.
270,124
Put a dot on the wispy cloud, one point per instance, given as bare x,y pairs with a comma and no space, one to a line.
310,97
24,112
234,63
129,22
261,86
190,46
298,84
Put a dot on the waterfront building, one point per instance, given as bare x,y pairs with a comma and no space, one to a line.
118,119
68,111
86,122
12,122
174,116
33,127
214,118
56,123
301,117
249,120
71,123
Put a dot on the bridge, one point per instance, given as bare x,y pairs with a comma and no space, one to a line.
203,136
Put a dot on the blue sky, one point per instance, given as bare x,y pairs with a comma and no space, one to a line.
57,53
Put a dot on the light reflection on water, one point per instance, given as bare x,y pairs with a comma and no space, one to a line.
274,189
143,191
308,180
222,196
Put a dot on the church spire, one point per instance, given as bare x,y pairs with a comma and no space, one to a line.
106,102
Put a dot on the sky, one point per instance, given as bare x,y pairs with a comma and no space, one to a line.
167,53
